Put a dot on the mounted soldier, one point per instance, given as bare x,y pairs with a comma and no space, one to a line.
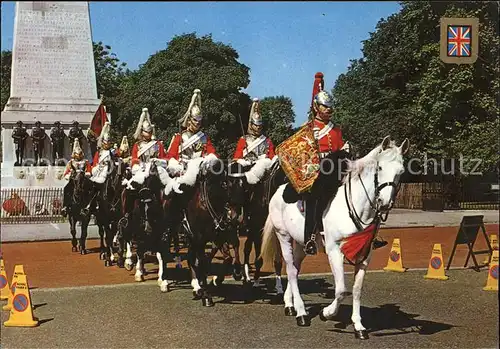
78,162
123,151
103,156
192,142
331,150
147,146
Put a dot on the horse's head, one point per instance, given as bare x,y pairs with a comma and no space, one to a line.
81,183
387,163
236,186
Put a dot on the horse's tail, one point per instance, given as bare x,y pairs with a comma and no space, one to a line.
269,242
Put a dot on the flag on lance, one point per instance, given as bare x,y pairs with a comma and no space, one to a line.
99,119
459,41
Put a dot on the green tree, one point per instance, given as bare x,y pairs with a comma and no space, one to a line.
278,115
6,63
402,88
165,84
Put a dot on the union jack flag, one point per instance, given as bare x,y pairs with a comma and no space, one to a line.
459,41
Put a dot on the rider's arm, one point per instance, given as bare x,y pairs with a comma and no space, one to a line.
173,148
135,157
162,154
67,171
270,149
238,153
337,140
209,148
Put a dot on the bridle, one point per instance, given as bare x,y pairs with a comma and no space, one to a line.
380,215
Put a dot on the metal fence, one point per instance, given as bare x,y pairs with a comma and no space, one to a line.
439,196
31,205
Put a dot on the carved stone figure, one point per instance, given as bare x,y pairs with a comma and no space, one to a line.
19,134
38,135
74,133
57,136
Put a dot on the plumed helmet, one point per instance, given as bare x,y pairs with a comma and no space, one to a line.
105,136
124,145
77,149
194,109
255,117
320,96
145,125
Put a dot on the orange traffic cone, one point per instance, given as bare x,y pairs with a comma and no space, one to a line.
492,282
18,270
21,314
4,283
395,262
494,246
436,265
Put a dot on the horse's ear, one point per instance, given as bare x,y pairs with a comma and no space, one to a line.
386,142
405,146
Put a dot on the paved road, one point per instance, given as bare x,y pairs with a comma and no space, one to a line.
400,310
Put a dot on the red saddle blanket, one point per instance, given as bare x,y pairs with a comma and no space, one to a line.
357,246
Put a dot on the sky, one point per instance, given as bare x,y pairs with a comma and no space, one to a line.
283,43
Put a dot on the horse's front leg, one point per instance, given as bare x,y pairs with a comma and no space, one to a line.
139,267
83,238
336,260
247,249
128,256
257,240
202,274
162,268
237,275
102,247
278,265
359,272
72,230
193,264
108,249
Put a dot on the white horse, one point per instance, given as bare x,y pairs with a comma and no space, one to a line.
368,191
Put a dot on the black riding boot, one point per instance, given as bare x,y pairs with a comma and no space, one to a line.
311,248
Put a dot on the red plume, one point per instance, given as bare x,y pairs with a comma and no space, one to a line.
318,85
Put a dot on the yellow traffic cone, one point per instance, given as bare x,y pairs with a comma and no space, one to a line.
395,262
18,270
21,314
436,266
4,283
492,282
494,246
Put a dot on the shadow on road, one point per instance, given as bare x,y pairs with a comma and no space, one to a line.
386,318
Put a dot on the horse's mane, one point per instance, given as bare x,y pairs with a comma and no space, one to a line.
369,161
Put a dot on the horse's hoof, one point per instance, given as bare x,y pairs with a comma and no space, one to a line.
196,295
107,263
139,278
83,252
120,263
290,311
303,321
102,256
207,302
165,288
362,334
237,276
74,249
158,282
129,267
322,316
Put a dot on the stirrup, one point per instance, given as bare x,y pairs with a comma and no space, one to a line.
311,247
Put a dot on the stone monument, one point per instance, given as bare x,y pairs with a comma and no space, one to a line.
53,83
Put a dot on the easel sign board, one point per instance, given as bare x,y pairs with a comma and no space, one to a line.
467,235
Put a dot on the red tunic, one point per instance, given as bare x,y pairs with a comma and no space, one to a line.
240,147
173,150
88,168
332,141
135,153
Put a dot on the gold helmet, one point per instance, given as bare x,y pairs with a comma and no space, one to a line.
320,96
77,150
144,125
124,148
194,110
105,136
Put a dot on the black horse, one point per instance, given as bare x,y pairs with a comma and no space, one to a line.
202,211
108,210
251,202
80,190
145,224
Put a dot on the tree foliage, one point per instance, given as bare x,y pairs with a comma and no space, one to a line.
278,115
165,84
401,87
5,70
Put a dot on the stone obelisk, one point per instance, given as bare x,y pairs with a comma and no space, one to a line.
53,73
